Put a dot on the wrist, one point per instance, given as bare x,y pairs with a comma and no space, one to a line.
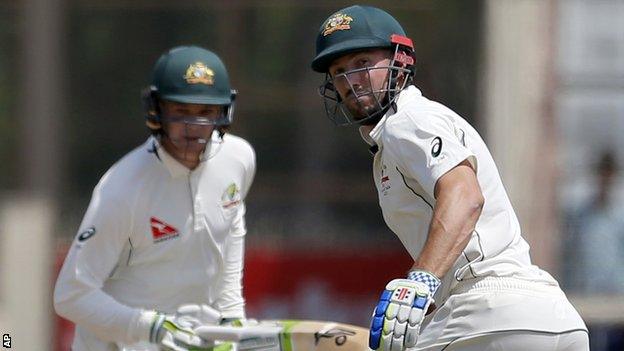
141,326
156,332
233,312
426,277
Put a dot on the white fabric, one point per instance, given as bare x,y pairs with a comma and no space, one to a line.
492,304
420,141
522,341
113,278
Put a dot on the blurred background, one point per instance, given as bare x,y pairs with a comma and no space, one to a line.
542,80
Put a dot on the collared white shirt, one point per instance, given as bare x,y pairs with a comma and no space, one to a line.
418,143
157,235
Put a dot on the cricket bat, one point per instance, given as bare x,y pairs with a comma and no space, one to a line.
288,335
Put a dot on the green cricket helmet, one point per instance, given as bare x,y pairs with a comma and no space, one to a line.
360,28
191,75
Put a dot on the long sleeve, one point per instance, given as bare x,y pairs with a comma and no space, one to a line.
230,301
78,294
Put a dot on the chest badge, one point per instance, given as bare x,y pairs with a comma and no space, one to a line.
162,231
231,196
385,181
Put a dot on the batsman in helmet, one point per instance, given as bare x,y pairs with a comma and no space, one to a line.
472,285
160,249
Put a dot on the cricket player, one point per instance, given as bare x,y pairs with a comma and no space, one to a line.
441,194
160,248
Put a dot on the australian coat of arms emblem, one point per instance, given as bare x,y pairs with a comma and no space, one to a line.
336,22
199,73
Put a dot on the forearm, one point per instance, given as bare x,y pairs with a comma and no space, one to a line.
78,297
102,315
230,301
455,215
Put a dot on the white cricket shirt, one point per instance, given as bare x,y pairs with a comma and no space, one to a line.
155,236
417,144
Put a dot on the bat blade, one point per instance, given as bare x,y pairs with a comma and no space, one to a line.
230,333
291,335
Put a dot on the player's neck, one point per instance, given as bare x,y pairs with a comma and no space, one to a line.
367,128
187,159
191,165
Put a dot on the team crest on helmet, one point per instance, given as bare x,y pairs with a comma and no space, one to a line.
337,22
199,73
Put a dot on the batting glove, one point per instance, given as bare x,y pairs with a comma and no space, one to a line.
172,334
192,316
401,311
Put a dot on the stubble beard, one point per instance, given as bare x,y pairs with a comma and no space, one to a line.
364,107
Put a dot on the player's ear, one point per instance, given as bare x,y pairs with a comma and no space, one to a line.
151,108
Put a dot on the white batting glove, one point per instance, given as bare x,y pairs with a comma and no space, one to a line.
173,335
191,316
401,311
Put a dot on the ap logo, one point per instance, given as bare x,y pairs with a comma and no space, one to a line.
6,341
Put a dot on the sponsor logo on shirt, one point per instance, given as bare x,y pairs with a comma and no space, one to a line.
162,231
231,196
86,234
385,181
436,146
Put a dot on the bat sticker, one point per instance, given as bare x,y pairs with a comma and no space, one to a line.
339,335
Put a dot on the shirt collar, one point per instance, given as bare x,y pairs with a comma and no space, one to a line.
175,168
407,95
373,136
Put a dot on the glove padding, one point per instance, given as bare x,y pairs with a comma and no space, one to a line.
192,316
173,335
401,310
